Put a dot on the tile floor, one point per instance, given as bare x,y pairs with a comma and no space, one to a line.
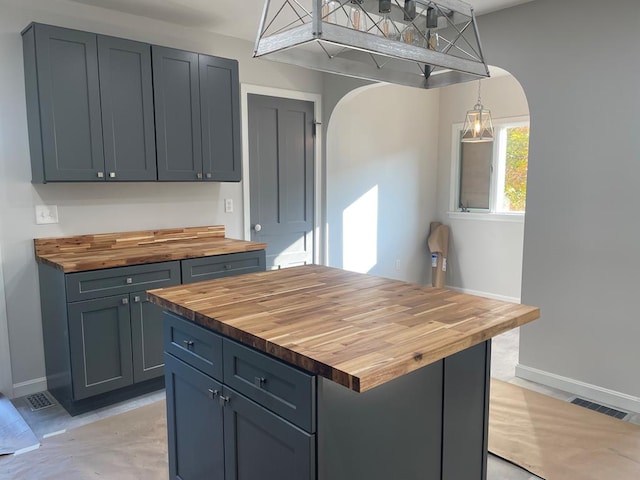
503,362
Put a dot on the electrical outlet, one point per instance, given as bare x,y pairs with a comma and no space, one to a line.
46,214
228,205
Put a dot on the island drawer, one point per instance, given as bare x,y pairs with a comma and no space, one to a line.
208,268
283,389
121,280
193,344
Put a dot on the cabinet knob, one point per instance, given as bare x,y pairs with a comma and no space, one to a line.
227,267
259,381
213,393
209,175
223,400
112,174
257,227
129,280
136,299
100,174
125,301
199,175
188,343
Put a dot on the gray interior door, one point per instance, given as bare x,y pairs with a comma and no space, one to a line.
281,164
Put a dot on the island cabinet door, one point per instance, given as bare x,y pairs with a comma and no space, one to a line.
259,445
146,338
100,344
194,423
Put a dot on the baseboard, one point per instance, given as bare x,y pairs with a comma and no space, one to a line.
588,391
478,293
30,386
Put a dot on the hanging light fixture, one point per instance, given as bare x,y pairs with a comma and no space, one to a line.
478,126
420,43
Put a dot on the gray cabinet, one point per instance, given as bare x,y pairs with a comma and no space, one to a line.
208,268
127,110
103,339
89,106
197,112
99,107
63,104
215,431
100,341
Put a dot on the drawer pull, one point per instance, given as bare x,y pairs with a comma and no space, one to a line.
129,280
223,400
213,394
125,301
259,381
188,343
136,299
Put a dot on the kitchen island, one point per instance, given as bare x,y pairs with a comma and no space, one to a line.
317,373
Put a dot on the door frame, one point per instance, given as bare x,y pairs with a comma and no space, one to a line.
6,380
316,99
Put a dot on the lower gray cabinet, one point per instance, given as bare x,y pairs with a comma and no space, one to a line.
215,432
100,341
146,338
194,423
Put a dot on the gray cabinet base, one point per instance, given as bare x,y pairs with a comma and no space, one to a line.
63,395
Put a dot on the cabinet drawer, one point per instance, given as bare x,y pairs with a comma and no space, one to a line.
283,389
121,280
208,268
193,344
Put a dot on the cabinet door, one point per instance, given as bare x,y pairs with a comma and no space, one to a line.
177,109
220,107
194,423
146,338
69,96
100,344
262,446
127,109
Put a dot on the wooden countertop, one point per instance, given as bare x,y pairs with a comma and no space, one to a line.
357,330
106,250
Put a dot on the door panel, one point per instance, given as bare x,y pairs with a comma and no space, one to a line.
146,337
281,153
127,109
100,342
67,62
177,108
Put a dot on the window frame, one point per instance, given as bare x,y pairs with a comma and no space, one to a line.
497,172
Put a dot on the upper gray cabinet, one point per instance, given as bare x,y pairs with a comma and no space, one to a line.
89,106
63,104
127,109
91,112
197,111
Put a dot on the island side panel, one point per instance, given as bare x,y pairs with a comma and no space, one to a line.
391,431
466,413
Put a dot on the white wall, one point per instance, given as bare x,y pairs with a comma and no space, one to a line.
94,208
382,157
578,67
485,256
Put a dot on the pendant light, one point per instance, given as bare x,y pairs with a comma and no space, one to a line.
478,126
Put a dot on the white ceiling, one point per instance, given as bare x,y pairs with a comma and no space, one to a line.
234,18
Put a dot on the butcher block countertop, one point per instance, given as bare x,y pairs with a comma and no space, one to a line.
358,330
106,250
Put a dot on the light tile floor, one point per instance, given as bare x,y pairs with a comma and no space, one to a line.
503,362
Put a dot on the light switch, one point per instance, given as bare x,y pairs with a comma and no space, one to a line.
228,205
46,214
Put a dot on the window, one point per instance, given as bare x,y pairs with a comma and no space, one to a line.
492,176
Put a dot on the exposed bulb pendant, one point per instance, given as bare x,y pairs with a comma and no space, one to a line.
357,16
478,126
386,27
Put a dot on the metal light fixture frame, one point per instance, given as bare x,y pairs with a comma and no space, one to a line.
478,126
369,56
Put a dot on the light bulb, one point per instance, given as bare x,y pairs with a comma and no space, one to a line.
329,11
386,27
410,35
476,127
357,17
